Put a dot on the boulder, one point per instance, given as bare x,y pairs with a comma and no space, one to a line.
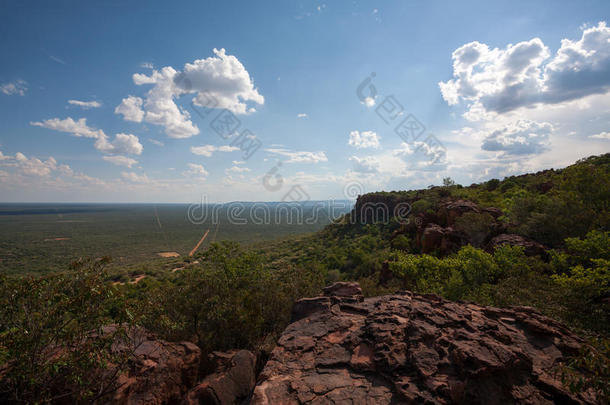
160,372
412,348
344,292
307,306
435,238
530,247
451,210
431,238
231,383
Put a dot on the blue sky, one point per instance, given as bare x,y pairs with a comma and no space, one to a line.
94,105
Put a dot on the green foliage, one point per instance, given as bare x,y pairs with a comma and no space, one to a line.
401,242
232,300
51,340
590,369
584,271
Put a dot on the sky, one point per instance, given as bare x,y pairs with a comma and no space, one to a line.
125,101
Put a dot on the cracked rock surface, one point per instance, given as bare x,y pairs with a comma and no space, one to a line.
411,348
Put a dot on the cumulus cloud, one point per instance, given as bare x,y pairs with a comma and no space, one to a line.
120,160
219,81
302,115
122,143
135,177
85,104
368,164
299,157
208,150
522,137
403,151
422,155
195,170
364,139
34,166
17,87
237,169
76,128
131,109
601,135
521,75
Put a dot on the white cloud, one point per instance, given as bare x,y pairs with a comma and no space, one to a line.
85,104
519,138
601,135
403,151
237,169
239,162
302,115
195,170
208,150
502,80
299,157
120,160
421,155
131,109
122,144
156,142
368,164
159,107
34,166
369,102
147,65
76,128
134,177
220,81
17,87
364,139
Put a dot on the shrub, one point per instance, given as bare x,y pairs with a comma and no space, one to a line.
51,340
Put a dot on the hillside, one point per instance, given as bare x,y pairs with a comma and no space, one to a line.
538,240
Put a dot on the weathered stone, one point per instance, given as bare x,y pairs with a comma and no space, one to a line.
413,348
231,383
307,306
530,247
160,372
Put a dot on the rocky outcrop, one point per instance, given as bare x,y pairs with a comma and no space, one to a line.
435,238
451,210
411,348
530,247
231,383
160,372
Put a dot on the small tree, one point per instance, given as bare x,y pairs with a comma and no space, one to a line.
448,182
53,347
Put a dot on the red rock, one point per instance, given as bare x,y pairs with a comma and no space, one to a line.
413,348
231,383
306,306
530,247
161,372
343,289
453,209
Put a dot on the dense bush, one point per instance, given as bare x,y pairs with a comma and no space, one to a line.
584,271
231,300
52,349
